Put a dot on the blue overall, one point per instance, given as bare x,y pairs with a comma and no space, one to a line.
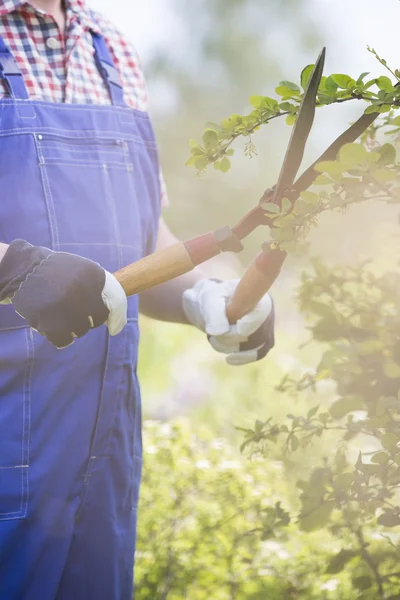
82,179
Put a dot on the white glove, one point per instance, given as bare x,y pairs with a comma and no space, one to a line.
116,301
249,340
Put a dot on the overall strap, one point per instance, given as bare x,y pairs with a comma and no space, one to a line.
11,74
107,68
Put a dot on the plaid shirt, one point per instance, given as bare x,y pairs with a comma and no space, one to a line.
60,67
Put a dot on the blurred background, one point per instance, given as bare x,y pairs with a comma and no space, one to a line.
203,59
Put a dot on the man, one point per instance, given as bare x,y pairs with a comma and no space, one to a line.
81,198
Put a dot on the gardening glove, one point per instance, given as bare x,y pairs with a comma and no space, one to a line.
249,340
60,295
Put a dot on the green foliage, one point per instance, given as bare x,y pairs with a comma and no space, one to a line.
353,492
355,176
211,526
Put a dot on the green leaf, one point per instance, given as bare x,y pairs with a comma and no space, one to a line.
339,561
351,155
258,426
225,165
329,166
286,92
271,207
345,405
364,582
312,412
384,175
394,476
193,143
291,86
305,76
286,106
391,370
362,76
367,469
270,103
290,120
371,109
344,480
286,205
192,161
342,81
389,441
380,458
317,518
213,126
301,207
201,163
389,519
384,83
310,198
294,443
323,180
210,138
387,154
256,101
330,85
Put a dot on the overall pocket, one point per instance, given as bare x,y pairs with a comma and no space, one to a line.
88,191
16,361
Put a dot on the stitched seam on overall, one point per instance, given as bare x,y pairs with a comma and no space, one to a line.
29,274
114,155
24,491
108,436
70,163
24,116
48,196
29,341
111,133
87,475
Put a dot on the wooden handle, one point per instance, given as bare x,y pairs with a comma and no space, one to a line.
155,269
167,264
255,283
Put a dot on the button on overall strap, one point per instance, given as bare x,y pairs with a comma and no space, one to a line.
106,66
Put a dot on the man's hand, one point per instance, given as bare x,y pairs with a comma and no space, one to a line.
60,295
249,340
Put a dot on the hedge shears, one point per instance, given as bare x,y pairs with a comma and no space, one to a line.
182,257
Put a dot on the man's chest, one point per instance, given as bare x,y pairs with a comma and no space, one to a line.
62,68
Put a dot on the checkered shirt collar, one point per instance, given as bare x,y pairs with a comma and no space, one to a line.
78,8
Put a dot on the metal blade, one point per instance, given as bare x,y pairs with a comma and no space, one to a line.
301,130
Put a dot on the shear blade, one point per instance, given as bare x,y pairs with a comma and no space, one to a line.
301,131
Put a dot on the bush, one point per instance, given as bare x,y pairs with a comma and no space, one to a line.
209,525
